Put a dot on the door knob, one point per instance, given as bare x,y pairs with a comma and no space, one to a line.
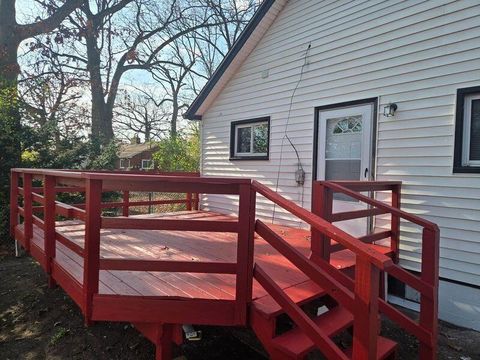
365,173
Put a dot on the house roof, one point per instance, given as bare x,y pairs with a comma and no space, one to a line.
246,42
127,151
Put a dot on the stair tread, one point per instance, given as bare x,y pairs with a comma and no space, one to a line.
299,293
297,343
343,259
385,347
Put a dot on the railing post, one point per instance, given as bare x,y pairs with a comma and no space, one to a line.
196,201
49,224
126,201
91,261
429,307
365,325
322,202
13,202
395,223
189,201
28,210
246,233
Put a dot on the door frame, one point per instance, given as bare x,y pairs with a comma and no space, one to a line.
318,109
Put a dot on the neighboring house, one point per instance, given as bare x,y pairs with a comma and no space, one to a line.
384,90
136,156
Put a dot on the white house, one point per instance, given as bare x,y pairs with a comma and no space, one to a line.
318,79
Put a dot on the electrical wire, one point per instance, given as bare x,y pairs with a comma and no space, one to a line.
286,137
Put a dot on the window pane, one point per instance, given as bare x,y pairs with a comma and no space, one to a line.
342,170
260,139
244,139
475,131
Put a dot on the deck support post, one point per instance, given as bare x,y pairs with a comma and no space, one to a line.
13,202
246,233
429,306
189,201
366,324
322,202
28,209
91,260
49,225
164,342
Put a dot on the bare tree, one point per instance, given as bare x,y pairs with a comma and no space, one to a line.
138,111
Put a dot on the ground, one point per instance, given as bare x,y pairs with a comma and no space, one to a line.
41,323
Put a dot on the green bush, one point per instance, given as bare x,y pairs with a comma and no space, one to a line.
181,153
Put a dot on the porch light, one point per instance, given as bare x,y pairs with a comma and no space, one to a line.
389,110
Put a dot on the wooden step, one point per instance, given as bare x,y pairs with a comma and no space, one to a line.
301,294
385,348
331,323
345,259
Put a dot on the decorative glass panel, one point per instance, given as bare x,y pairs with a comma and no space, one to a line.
475,131
260,138
244,138
349,124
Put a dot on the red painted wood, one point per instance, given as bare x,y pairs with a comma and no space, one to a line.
189,201
429,305
13,201
27,204
69,243
379,204
314,272
365,331
68,283
356,214
381,261
49,223
170,266
329,348
158,309
321,206
126,205
171,224
92,245
297,344
370,238
243,292
395,223
38,198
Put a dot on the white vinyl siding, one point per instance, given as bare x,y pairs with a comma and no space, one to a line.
412,53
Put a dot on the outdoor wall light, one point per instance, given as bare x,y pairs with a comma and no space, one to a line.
389,110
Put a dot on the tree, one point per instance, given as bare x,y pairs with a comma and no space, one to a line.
141,111
11,35
180,153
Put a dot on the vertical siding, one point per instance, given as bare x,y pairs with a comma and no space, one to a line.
413,53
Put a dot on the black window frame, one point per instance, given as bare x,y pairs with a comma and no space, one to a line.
253,121
458,166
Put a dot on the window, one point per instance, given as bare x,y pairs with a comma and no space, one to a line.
147,164
249,139
124,163
467,131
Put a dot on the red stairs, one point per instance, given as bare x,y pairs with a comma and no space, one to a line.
338,311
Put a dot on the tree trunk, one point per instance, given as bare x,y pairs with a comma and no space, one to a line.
9,42
175,111
102,116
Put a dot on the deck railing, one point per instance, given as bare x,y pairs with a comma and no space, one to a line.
362,296
426,284
93,184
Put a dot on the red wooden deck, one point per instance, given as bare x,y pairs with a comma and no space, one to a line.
159,271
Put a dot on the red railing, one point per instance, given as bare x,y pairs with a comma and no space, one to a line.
427,283
93,184
361,297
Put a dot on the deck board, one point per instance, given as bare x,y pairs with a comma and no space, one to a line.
184,246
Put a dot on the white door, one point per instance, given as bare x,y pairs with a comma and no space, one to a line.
345,153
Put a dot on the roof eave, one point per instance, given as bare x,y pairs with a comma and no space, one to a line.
191,113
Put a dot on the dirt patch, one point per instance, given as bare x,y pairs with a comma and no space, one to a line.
41,323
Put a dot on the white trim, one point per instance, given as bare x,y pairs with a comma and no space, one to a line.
251,125
147,167
467,125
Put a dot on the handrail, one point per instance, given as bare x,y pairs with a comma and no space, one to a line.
427,283
381,205
379,260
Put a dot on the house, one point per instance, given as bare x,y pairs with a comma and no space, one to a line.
136,155
384,90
